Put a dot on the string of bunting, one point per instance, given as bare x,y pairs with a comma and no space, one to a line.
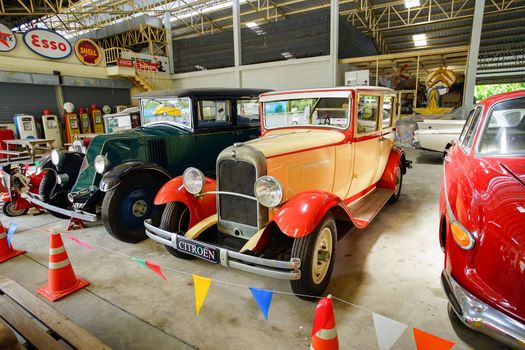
387,330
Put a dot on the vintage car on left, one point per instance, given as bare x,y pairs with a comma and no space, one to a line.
482,220
325,162
121,172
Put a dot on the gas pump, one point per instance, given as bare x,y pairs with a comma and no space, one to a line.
85,124
25,126
72,122
51,128
96,119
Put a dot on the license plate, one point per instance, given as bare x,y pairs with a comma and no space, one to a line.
197,249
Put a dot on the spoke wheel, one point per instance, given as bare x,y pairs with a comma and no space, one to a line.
399,184
9,209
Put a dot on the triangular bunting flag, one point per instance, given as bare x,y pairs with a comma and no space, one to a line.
263,298
10,232
427,341
78,241
140,261
156,268
201,284
388,331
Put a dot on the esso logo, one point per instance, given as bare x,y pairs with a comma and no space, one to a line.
47,43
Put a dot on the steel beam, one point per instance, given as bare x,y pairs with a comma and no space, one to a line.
472,62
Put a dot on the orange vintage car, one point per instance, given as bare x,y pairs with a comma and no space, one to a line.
325,162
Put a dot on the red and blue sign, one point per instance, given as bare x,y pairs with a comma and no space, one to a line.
47,44
7,39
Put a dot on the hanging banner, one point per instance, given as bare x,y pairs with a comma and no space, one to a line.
388,331
88,52
201,284
47,44
10,232
426,341
7,39
152,266
263,298
146,62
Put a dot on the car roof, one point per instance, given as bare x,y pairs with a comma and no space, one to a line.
204,92
500,97
331,89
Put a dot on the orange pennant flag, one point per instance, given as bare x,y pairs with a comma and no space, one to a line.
201,284
427,341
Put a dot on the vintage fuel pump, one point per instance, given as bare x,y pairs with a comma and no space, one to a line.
97,122
85,123
71,122
51,128
25,126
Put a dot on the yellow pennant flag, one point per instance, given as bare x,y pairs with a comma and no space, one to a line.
201,284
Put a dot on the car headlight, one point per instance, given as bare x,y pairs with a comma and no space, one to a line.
193,180
268,191
57,157
101,164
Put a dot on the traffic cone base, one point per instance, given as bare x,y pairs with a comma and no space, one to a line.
11,255
56,295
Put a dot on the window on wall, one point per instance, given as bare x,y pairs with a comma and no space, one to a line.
248,112
213,113
388,111
367,110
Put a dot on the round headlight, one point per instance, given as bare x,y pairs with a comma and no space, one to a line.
101,164
193,180
268,191
57,157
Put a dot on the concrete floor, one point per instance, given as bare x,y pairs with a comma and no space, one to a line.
391,268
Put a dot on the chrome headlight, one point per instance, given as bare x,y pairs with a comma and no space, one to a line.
57,157
268,191
193,180
101,164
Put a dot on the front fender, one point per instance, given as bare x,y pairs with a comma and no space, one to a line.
388,180
114,177
200,207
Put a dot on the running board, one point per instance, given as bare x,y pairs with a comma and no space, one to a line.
367,207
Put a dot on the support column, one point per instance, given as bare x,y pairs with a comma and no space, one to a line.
237,45
169,42
472,62
334,41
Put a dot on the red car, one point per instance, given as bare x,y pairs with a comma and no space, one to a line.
482,220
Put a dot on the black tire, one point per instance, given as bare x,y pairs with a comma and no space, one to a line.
125,207
399,183
47,185
8,208
176,218
59,199
304,249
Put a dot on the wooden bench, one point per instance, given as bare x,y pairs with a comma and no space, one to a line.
39,325
19,154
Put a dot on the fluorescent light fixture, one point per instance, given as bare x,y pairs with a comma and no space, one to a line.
412,3
251,25
420,39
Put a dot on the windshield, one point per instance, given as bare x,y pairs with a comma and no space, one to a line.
505,132
328,112
176,110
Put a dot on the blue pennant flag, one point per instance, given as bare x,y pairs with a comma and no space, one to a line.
263,299
10,233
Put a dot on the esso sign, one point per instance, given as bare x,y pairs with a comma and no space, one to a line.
47,43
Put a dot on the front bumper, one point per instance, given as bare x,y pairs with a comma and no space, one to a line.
82,215
288,270
481,317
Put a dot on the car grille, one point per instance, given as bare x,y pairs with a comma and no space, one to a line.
238,177
157,152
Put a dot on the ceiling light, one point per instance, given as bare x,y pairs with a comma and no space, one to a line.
412,3
420,39
251,25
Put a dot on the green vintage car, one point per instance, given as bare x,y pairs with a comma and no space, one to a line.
122,172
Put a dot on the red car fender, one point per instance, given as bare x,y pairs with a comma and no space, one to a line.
200,207
302,213
388,180
6,197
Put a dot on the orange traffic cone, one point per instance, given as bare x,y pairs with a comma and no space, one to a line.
324,332
61,277
6,251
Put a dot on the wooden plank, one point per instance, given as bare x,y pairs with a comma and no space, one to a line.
8,339
55,321
15,153
26,327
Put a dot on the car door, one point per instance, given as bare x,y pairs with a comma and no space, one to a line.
214,131
247,120
367,144
387,139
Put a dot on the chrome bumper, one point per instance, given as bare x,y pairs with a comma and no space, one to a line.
481,317
288,270
82,215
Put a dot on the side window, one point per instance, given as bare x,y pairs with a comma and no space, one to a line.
388,111
367,110
213,114
469,131
248,112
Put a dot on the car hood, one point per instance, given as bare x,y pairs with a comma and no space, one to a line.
285,141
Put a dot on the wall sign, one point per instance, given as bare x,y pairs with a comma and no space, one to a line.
47,44
7,39
88,52
147,62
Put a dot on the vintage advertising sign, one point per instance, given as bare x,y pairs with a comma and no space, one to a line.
147,62
7,39
47,44
88,52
